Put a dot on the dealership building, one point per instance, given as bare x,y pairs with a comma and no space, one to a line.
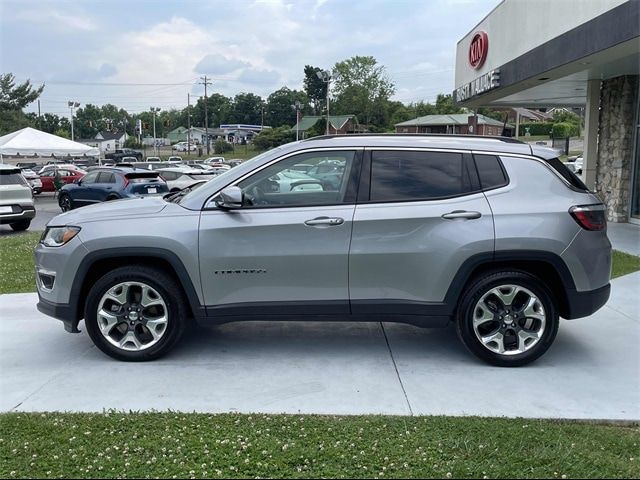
569,53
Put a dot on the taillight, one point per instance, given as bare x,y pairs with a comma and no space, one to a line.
126,182
590,217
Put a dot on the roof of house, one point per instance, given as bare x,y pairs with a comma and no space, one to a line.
337,121
106,135
532,114
178,130
452,119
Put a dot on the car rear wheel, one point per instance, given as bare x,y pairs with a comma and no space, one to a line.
507,318
135,313
65,202
20,226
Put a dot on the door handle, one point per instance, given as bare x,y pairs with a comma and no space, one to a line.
331,222
461,214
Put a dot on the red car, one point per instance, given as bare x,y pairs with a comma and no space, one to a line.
66,175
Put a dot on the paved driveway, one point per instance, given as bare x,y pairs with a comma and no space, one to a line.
592,371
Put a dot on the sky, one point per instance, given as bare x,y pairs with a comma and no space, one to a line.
142,53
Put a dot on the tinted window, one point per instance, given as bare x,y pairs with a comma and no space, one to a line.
405,176
491,173
106,177
12,178
90,177
567,174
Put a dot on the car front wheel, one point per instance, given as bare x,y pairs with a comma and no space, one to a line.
65,203
135,313
507,318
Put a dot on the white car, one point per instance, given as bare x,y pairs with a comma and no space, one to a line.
178,178
294,181
215,160
16,199
33,179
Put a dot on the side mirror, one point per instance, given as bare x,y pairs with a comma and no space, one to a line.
230,198
78,181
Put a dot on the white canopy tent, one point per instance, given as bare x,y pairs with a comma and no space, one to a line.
31,142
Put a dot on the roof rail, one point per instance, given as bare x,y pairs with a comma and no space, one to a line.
438,135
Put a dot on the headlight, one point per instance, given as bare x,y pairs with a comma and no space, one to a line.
58,236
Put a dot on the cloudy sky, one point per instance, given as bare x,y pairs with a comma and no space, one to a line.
142,53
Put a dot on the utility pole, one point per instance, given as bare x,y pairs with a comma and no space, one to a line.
39,118
188,124
206,82
72,105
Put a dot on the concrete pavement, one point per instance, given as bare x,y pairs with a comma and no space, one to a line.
591,372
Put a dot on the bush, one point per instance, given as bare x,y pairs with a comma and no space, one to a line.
561,130
536,128
222,146
274,137
132,142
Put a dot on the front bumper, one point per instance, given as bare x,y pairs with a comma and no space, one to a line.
60,311
583,304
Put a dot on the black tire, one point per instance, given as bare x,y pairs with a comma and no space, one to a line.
479,287
65,203
167,288
20,226
112,197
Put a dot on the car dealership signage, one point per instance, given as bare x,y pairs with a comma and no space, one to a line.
478,49
482,84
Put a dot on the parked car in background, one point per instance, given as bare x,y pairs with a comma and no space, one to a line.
127,160
16,199
106,184
124,152
66,166
179,178
33,179
210,160
329,172
174,158
153,159
65,174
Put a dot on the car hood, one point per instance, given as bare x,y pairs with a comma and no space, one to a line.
127,207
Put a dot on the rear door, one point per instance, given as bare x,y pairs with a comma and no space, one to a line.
82,193
420,216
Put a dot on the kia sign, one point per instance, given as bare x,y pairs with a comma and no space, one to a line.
478,49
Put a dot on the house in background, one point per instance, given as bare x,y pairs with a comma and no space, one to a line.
338,124
459,123
179,134
106,141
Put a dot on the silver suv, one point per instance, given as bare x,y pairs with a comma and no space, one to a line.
490,234
16,199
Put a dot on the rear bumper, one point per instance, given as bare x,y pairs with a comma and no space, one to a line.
583,304
19,214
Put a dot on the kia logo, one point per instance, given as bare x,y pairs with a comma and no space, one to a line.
478,49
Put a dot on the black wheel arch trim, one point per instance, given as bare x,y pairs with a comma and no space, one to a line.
170,257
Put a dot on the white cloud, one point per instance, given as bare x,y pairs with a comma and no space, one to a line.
58,20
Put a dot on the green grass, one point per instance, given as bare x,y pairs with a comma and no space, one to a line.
17,268
139,445
16,262
624,263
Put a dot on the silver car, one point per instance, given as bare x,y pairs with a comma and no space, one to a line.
16,199
489,234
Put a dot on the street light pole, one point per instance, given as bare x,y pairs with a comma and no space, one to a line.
297,106
72,104
155,142
325,76
206,82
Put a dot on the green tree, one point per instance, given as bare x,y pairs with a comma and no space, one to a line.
315,88
219,110
274,137
279,110
247,108
361,86
13,98
445,106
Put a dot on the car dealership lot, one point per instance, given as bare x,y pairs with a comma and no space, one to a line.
591,372
46,208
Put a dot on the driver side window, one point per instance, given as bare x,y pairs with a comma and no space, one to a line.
281,184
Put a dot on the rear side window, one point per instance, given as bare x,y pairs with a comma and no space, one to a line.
490,170
398,176
567,174
106,177
12,178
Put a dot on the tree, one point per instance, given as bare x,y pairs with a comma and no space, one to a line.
219,110
13,98
445,106
273,137
279,110
360,85
315,88
247,108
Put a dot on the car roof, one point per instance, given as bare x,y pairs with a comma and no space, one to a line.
181,170
9,168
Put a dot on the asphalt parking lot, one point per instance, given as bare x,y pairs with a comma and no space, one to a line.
46,208
591,372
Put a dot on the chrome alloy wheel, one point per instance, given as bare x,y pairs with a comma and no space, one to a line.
509,319
132,316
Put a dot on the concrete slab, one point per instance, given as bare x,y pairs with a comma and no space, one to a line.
625,237
592,371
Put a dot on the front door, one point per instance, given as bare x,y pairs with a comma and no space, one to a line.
286,250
